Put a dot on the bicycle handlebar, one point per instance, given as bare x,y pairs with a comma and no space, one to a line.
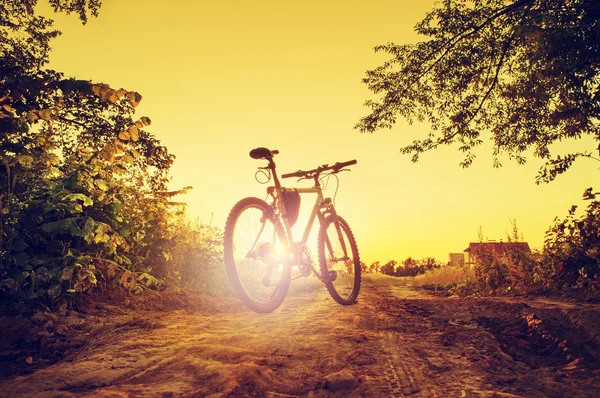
314,172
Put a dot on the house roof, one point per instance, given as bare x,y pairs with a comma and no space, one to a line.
497,247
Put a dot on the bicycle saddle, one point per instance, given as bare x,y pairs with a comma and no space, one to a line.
263,153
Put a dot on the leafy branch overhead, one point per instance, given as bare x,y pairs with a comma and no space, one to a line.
527,71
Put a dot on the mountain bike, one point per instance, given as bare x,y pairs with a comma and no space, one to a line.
260,251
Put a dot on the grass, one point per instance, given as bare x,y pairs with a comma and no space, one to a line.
385,279
445,277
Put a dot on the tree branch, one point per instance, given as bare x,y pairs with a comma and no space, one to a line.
64,119
456,39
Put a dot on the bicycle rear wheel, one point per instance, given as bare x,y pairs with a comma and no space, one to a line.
341,270
253,250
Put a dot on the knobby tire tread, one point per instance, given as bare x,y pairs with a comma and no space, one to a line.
323,261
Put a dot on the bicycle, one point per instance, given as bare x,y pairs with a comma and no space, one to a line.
259,249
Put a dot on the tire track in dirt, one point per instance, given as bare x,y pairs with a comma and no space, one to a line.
452,347
398,342
399,369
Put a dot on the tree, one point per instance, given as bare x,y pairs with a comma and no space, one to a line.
374,267
571,254
389,268
527,71
83,198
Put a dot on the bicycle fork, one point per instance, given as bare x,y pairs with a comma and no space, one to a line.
329,209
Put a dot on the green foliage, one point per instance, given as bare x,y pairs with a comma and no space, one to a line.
409,267
526,71
412,267
571,252
389,268
374,268
491,271
83,200
197,256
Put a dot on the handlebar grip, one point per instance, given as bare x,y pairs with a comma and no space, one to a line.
344,164
298,173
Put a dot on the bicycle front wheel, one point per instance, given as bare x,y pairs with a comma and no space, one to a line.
253,248
339,260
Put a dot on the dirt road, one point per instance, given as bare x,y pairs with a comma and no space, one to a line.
395,342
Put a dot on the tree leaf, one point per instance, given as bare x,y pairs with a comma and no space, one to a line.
97,89
45,114
128,280
133,131
21,259
86,153
32,116
25,160
111,96
51,226
134,98
105,92
66,274
118,147
87,201
74,229
101,184
53,159
54,291
146,120
124,136
91,276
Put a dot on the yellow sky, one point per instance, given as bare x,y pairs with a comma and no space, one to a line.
222,77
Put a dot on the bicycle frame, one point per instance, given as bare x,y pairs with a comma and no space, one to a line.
321,208
315,212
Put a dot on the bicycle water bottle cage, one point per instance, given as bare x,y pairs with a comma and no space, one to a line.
262,153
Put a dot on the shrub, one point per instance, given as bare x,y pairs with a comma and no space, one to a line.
572,249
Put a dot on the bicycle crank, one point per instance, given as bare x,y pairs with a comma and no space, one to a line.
305,262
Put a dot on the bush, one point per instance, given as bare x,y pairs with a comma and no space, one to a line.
83,199
572,250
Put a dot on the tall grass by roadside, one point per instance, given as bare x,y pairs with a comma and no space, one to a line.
385,279
446,277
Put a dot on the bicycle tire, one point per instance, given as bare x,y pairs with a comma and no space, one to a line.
348,273
259,259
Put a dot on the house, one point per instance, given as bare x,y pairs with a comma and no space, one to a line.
457,259
496,249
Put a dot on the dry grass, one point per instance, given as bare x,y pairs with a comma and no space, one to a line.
446,276
384,279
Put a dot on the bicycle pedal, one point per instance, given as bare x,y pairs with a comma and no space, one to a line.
331,276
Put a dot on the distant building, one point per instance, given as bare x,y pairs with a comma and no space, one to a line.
496,249
457,259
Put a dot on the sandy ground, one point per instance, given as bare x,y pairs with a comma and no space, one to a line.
396,342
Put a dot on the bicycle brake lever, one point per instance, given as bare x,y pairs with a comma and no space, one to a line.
340,170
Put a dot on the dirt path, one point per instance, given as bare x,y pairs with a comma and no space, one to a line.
395,342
